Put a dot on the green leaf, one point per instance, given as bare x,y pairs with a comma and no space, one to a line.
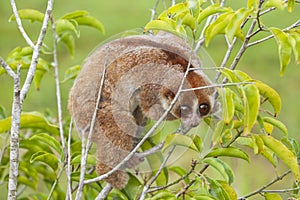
90,21
284,48
2,112
71,73
163,195
227,104
291,5
251,100
46,158
283,153
75,14
91,160
168,25
271,196
69,41
181,172
277,124
280,4
216,189
270,94
210,10
23,180
233,29
175,11
229,190
32,120
133,187
181,140
218,26
63,26
230,152
295,34
223,168
30,14
218,132
49,140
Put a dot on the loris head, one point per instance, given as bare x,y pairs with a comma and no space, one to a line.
192,106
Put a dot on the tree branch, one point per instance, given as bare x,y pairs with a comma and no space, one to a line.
7,68
261,189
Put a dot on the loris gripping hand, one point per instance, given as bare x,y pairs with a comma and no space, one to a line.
142,76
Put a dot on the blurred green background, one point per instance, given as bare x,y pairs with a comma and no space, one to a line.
261,62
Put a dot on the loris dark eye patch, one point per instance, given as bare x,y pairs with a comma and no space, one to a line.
204,109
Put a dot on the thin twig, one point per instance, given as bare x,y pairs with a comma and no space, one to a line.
153,10
260,190
104,192
19,23
7,68
36,51
69,188
58,91
146,188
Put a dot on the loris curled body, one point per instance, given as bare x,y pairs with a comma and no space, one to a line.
142,76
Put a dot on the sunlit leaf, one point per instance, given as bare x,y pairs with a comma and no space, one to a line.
223,168
46,158
91,160
251,106
49,140
63,26
227,104
164,195
234,27
272,196
29,14
75,14
295,34
230,152
218,132
229,190
32,120
283,153
210,10
291,5
90,21
2,112
284,48
270,95
280,4
218,26
277,124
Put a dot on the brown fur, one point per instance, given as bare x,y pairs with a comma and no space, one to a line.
142,76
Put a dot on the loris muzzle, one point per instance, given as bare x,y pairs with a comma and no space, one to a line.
142,76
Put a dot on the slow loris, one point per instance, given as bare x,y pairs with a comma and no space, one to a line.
142,76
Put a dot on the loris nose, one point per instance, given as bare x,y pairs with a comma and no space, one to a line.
194,122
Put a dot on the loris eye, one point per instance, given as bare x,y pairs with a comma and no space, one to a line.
184,110
204,109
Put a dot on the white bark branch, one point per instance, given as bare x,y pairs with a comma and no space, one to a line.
7,68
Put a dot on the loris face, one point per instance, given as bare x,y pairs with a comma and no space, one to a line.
192,106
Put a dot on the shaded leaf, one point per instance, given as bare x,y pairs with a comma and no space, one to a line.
227,104
71,73
90,21
229,190
63,26
69,41
91,160
181,140
272,196
277,124
180,171
49,140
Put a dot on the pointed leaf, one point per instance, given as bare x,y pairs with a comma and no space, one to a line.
90,21
270,94
251,106
295,34
283,153
284,48
230,152
49,140
30,14
32,120
181,172
71,73
229,190
75,14
272,196
69,41
218,26
277,124
46,158
210,10
291,5
63,26
227,104
181,140
223,168
91,160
